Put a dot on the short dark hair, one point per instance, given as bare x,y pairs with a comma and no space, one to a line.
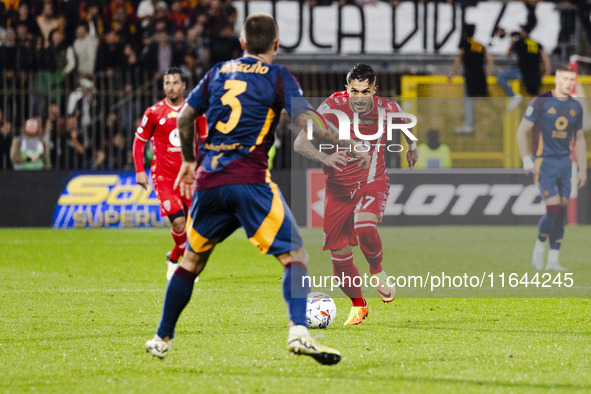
468,30
176,70
259,32
361,72
565,67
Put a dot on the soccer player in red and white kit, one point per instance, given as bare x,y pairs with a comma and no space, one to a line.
159,125
355,197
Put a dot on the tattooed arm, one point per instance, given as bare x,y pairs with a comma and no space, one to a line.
305,148
328,135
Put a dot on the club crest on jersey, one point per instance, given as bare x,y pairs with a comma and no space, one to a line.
172,114
166,205
162,121
174,138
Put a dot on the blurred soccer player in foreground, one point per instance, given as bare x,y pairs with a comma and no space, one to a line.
243,99
159,125
355,197
555,118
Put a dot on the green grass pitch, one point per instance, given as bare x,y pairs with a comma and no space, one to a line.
78,306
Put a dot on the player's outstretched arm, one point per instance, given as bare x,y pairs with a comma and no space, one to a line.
524,128
305,148
185,123
581,154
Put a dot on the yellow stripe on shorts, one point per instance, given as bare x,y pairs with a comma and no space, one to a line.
198,242
265,235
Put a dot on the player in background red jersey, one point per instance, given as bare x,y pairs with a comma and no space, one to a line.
355,197
159,125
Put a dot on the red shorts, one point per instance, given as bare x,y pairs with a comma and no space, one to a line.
171,200
340,209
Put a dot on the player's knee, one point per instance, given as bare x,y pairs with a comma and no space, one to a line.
300,255
178,223
367,231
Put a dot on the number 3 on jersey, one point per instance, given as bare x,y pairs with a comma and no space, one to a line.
234,89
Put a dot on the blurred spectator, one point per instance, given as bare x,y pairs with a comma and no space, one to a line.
529,55
473,56
433,154
149,54
179,48
8,54
22,33
92,16
164,51
58,52
69,149
216,17
125,26
24,16
178,19
54,127
28,152
82,54
199,43
119,153
115,144
5,143
110,54
48,21
192,69
145,12
225,46
83,106
113,6
131,70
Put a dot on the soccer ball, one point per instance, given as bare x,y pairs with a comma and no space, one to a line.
320,310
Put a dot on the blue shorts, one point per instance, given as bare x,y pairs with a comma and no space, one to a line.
554,176
258,207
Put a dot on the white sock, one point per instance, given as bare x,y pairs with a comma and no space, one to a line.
553,256
299,330
540,245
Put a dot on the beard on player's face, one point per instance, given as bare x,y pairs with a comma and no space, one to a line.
360,104
173,96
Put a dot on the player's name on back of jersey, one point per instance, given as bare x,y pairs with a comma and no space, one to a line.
223,147
244,68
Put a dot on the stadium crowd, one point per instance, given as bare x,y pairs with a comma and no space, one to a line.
87,68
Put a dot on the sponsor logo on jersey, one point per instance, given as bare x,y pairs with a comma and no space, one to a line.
144,121
162,121
174,139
